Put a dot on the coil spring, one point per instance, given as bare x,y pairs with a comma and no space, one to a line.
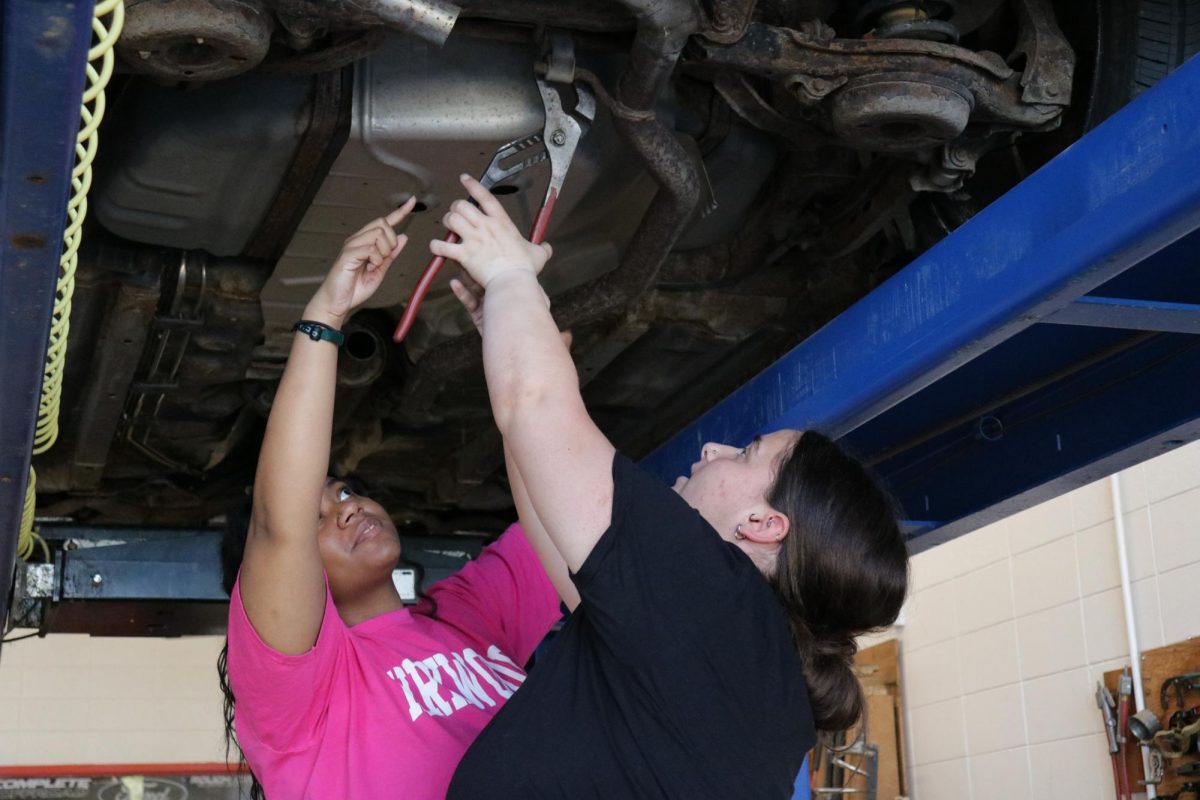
45,433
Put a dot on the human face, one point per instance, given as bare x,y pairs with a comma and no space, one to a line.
728,485
358,543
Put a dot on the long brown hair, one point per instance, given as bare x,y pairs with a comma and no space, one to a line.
842,571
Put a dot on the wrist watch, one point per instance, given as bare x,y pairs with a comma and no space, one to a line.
318,331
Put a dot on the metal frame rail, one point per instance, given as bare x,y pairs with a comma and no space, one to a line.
1049,341
43,51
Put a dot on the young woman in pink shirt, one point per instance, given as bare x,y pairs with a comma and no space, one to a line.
336,690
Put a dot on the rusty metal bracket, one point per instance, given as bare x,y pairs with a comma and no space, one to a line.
1049,59
796,58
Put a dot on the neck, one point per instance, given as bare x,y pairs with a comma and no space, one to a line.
763,556
369,605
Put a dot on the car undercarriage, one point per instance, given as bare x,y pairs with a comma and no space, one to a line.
752,170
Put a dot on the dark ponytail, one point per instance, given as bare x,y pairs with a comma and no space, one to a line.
842,570
233,545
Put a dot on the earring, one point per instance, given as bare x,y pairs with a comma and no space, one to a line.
737,533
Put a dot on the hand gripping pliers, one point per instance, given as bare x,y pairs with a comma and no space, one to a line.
557,141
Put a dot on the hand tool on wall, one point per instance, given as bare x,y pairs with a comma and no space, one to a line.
1180,737
1156,767
570,109
1108,710
1144,724
1182,685
1124,692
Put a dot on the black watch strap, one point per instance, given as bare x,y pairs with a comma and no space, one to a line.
318,331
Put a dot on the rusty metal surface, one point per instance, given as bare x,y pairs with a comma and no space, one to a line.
342,49
201,40
728,20
432,20
753,108
121,341
669,307
664,26
577,15
326,132
799,58
188,395
195,39
1049,59
897,111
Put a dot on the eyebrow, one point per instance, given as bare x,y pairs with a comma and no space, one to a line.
754,443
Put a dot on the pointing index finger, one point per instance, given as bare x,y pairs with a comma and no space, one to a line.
393,219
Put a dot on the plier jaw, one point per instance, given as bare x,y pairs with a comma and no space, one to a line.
562,133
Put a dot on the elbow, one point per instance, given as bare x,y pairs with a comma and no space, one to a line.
258,526
520,401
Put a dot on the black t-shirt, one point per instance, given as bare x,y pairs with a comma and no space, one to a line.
676,676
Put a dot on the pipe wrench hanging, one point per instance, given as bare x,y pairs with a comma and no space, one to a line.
556,142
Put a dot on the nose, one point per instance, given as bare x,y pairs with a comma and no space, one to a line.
713,450
346,511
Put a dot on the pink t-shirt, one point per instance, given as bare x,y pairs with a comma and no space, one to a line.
388,707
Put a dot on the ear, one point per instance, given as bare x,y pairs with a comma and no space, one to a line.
771,527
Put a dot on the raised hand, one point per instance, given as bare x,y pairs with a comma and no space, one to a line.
360,267
490,244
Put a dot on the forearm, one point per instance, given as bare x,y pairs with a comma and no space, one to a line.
560,454
294,459
538,538
527,365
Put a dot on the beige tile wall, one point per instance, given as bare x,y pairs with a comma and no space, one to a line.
1008,629
74,699
1005,633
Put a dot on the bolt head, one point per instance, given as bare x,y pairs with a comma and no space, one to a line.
558,138
97,579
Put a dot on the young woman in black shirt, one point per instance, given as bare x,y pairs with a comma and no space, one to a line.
716,620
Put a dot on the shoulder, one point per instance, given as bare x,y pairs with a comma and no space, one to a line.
654,529
245,641
502,597
502,565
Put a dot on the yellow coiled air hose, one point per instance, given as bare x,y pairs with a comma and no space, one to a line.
104,36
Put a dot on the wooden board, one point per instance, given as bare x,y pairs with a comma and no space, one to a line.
879,674
1157,665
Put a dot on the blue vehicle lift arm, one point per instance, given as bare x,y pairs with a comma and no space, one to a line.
43,51
956,335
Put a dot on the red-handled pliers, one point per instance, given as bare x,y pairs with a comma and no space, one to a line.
557,142
562,133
